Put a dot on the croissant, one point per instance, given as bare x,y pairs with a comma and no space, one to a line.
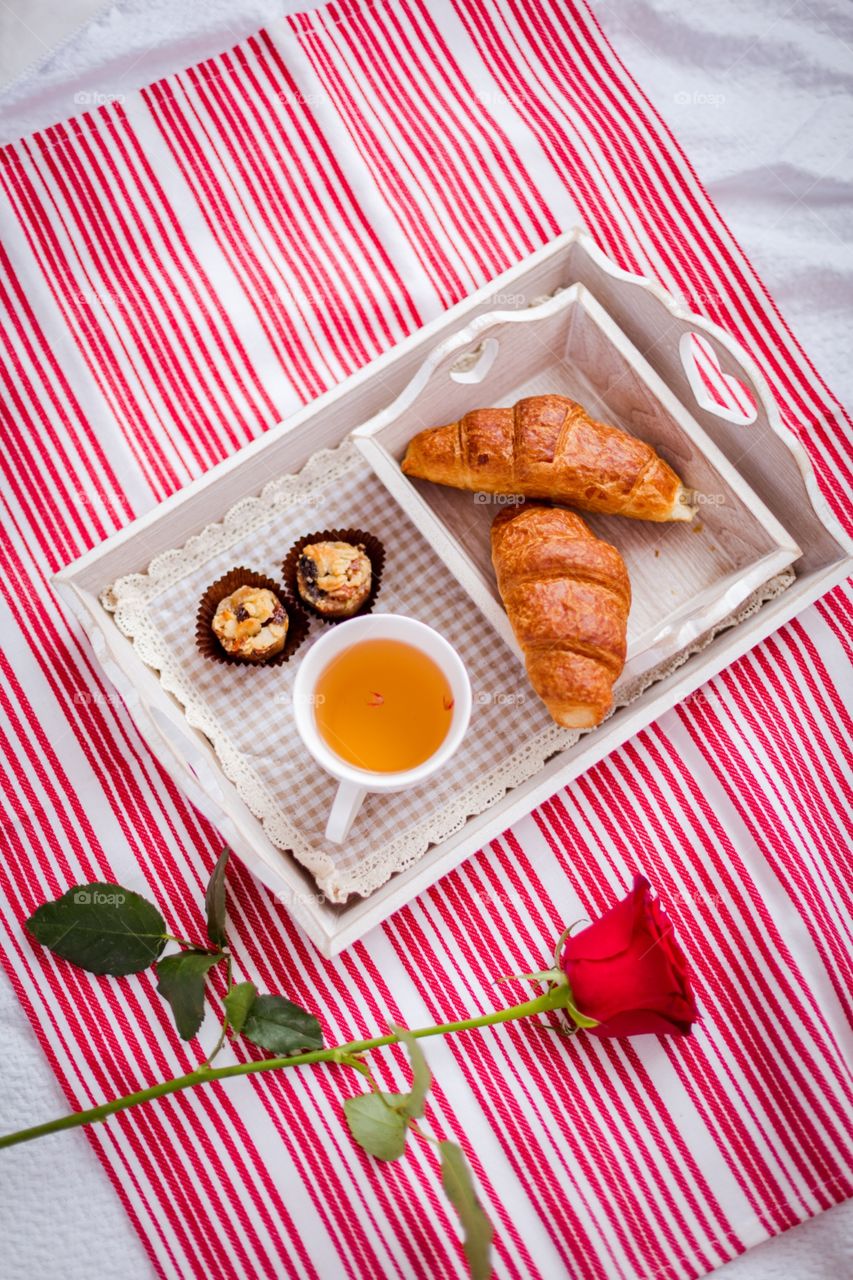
567,595
549,447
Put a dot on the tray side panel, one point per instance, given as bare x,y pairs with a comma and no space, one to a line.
756,451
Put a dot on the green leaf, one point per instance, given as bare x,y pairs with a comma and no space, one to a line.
283,1028
214,902
377,1123
181,979
238,1002
102,928
421,1075
459,1188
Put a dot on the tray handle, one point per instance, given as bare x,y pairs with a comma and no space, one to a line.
697,361
778,466
189,770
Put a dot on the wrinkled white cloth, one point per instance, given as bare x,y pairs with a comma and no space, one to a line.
760,95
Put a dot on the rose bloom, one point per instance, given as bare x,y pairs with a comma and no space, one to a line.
627,971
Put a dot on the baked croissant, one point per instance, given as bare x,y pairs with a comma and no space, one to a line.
567,595
549,447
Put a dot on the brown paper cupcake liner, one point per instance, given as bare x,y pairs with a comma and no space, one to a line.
206,641
373,549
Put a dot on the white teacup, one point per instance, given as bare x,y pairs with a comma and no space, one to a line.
355,783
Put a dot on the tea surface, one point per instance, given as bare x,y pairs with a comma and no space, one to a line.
383,705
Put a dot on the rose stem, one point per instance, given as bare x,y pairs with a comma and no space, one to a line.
553,999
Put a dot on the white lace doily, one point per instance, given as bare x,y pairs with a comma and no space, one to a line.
245,711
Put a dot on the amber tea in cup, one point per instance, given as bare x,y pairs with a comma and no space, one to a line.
383,705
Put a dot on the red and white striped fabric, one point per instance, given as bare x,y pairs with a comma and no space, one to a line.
181,271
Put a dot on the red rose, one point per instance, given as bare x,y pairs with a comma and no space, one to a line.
628,972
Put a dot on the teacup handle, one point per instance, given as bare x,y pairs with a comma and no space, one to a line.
345,809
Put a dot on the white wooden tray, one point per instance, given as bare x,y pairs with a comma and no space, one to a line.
764,455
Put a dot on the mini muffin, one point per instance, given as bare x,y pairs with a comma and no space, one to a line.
251,624
334,578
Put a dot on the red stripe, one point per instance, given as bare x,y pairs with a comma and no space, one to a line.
557,142
329,299
230,349
372,267
56,388
407,209
90,223
754,813
213,203
94,348
202,366
473,217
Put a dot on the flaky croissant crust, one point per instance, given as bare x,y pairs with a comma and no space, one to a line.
549,447
567,595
